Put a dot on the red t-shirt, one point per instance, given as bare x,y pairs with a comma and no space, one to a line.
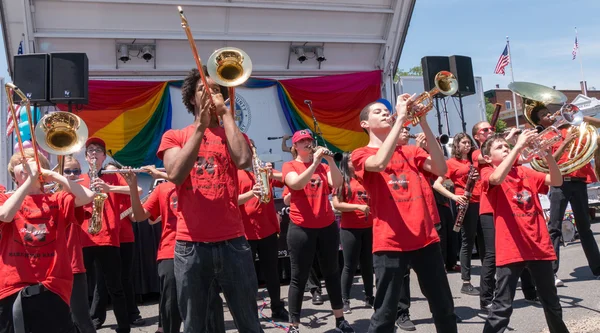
521,232
207,199
111,214
2,189
430,197
74,240
33,247
310,206
458,170
355,219
260,220
484,203
163,202
126,234
586,172
401,221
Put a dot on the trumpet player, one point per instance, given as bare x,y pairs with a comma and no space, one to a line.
37,278
403,230
521,238
103,247
262,230
312,225
573,190
459,166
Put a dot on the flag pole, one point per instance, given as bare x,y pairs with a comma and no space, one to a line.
513,80
584,88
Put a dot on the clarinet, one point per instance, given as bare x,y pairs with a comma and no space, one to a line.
462,209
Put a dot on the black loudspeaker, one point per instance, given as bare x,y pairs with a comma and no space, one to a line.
31,76
69,78
462,68
431,66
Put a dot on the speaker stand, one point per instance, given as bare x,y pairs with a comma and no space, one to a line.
70,107
439,115
462,114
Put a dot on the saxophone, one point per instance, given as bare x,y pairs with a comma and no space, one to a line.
261,174
462,209
95,223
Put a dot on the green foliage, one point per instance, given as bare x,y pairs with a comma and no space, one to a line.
415,71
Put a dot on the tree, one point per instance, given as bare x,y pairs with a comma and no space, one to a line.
489,113
414,71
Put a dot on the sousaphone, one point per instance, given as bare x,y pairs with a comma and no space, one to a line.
581,150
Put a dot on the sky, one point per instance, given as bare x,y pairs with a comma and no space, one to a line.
541,32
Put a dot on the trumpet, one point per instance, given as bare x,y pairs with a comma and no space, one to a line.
445,83
570,115
134,170
506,132
336,156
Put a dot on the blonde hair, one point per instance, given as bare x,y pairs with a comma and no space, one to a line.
71,158
15,160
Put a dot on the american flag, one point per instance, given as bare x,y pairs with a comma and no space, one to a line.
502,62
9,122
575,48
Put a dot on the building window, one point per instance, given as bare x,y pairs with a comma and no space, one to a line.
507,105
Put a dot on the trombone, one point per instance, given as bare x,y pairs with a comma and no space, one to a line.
134,170
228,67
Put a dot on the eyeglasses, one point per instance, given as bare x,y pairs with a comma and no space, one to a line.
74,172
92,150
486,130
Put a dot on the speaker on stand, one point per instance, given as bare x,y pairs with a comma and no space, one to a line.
432,65
462,68
69,76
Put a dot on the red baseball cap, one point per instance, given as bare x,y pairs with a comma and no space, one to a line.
301,135
95,141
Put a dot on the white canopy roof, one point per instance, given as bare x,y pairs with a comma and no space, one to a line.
356,35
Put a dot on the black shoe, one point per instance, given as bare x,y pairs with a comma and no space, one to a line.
347,308
138,321
293,329
534,301
369,301
97,323
468,289
280,314
458,318
404,323
344,327
317,298
485,306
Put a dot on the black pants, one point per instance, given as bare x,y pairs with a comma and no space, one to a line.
169,317
100,300
487,281
448,238
109,267
302,244
573,192
390,271
267,249
357,246
470,228
314,278
80,311
404,301
42,313
541,272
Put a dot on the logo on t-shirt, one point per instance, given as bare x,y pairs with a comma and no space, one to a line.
242,112
205,166
362,195
398,182
315,183
523,197
34,233
174,202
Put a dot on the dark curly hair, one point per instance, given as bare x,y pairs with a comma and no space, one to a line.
188,88
455,145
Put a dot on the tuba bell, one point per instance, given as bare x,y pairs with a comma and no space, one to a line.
582,149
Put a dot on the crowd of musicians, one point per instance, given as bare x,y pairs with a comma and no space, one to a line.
395,203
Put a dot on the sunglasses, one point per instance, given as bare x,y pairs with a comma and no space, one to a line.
74,172
487,129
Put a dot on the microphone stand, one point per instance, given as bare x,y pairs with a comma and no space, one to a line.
315,124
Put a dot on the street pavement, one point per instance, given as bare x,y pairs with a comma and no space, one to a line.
580,299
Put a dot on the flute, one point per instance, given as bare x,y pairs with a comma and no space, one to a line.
135,170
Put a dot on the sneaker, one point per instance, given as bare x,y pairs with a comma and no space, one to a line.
468,289
485,307
534,301
347,308
369,301
293,329
138,321
281,315
317,298
344,326
97,323
404,323
558,282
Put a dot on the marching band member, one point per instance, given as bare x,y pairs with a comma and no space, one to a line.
458,172
262,229
79,297
312,225
356,232
202,161
521,234
102,249
37,279
573,190
404,234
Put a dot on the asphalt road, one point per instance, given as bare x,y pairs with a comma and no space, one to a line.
580,298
